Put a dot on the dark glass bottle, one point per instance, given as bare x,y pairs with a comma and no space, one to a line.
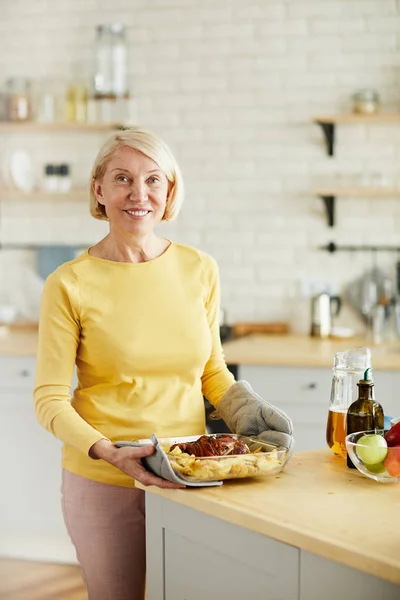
365,414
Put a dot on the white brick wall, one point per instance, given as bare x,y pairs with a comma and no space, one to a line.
232,86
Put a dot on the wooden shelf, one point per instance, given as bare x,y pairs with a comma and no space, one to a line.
356,118
329,195
359,192
38,195
328,124
28,126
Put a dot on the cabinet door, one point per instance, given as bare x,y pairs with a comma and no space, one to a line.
394,402
303,393
387,390
17,372
204,557
323,578
31,469
31,522
195,571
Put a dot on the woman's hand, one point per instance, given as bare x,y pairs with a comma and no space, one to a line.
246,413
127,460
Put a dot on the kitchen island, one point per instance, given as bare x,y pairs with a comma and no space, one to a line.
317,531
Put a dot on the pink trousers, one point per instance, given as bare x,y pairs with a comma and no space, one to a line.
106,524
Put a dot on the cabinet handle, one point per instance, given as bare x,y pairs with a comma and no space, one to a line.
24,373
311,386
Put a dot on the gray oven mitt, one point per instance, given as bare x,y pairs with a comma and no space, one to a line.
158,464
246,413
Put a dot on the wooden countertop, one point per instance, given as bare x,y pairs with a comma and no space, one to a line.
303,351
18,343
317,504
269,350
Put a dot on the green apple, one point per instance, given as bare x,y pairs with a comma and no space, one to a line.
371,449
378,468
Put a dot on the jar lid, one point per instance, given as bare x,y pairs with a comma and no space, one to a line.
18,83
111,28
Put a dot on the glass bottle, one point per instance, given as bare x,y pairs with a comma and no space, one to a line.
365,414
110,77
64,180
348,368
110,69
18,92
76,103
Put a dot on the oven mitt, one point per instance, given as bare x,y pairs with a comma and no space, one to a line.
246,413
158,464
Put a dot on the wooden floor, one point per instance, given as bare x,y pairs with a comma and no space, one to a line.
24,580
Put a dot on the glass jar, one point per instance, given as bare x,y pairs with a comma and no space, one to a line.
366,102
19,103
348,369
110,77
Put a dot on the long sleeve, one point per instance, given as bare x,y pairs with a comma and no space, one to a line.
59,333
140,336
216,378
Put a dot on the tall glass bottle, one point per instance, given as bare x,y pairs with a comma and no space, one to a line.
365,414
348,368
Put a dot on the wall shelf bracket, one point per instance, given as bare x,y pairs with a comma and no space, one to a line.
329,133
329,203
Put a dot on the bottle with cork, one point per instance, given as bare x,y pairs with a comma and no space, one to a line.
365,414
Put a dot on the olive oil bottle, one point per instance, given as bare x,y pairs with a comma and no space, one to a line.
365,414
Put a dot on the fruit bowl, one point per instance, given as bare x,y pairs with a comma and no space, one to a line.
372,457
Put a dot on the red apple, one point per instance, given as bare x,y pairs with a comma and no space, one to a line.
392,461
392,436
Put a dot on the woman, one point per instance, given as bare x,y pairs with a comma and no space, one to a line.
138,316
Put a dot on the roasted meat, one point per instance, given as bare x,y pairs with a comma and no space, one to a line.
206,445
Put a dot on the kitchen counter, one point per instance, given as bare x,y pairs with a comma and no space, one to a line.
273,350
317,530
18,343
317,504
304,351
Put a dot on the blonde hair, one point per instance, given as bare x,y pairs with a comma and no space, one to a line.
153,147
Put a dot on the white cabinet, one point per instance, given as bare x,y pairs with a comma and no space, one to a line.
304,394
192,555
31,523
387,391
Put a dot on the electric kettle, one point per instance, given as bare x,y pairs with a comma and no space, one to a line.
323,308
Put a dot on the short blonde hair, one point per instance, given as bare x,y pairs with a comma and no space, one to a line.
153,147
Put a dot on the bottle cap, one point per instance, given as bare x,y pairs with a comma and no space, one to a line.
64,169
49,169
367,378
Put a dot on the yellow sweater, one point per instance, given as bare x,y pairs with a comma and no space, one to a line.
145,341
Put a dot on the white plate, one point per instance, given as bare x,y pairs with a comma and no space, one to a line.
21,171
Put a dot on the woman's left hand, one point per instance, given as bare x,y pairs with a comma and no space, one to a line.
127,460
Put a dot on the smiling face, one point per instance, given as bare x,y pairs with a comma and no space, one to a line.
133,192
